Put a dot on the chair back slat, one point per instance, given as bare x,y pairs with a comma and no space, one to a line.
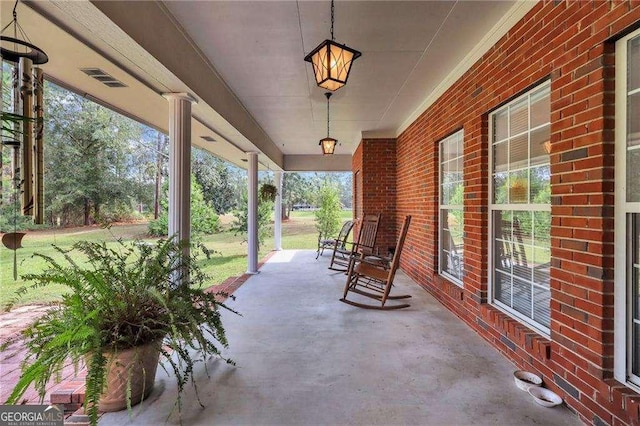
368,232
344,233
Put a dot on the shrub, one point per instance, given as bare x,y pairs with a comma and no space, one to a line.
204,219
328,215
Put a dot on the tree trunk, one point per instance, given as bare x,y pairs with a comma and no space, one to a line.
86,212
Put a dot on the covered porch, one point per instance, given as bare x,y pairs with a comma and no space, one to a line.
304,358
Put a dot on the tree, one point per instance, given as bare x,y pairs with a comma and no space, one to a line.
328,215
296,189
214,176
240,224
88,150
204,219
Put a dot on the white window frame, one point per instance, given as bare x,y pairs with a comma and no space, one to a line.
540,328
458,281
622,291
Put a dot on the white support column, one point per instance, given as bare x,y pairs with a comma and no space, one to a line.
277,214
252,216
180,166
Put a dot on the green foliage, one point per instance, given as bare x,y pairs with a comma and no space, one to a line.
328,215
268,192
93,159
120,298
204,219
296,189
240,224
216,179
10,221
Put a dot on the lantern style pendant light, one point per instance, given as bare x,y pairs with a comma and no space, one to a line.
332,61
328,144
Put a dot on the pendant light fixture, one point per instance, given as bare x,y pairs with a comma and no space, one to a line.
332,61
328,144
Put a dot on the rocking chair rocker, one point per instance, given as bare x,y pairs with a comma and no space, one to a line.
371,276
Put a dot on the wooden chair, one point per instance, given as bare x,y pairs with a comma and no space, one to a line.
370,277
511,252
339,241
363,245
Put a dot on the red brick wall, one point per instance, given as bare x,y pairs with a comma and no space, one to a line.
570,43
356,166
375,160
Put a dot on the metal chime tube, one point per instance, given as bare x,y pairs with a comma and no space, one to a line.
39,146
17,128
25,67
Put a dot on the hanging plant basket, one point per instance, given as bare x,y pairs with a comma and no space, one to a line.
518,191
268,192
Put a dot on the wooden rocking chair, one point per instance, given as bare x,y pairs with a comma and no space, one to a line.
363,245
337,242
371,277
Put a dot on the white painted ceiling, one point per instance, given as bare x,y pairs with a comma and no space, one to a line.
268,100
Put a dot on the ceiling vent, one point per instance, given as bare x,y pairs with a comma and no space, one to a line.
207,138
103,77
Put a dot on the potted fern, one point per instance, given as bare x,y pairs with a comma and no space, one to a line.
127,305
268,192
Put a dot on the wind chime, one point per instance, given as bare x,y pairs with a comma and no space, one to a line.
27,134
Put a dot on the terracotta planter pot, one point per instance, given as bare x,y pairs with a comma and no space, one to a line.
137,365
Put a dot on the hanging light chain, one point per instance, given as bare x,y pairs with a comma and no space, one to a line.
328,95
332,9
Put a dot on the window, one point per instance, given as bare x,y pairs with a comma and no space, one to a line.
627,210
451,207
520,208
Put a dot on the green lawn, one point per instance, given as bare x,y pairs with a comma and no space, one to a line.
230,260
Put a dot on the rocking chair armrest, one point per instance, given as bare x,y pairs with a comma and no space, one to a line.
376,260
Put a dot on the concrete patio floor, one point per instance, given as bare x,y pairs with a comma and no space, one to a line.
304,358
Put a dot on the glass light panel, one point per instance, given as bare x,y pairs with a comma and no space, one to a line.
502,288
500,157
445,152
519,187
542,229
633,175
522,296
500,188
519,152
502,231
540,142
541,306
500,126
541,267
633,64
451,255
540,185
633,120
446,193
518,117
540,107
